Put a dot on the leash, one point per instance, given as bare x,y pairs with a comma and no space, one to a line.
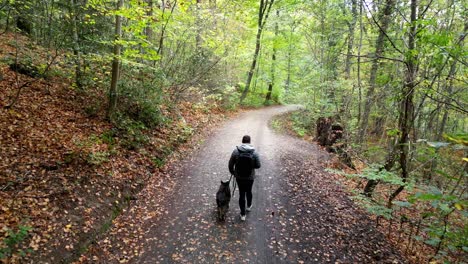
233,184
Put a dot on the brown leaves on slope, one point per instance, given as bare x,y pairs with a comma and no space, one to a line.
57,173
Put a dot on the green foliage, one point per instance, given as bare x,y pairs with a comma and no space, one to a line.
268,103
231,99
441,207
141,100
185,131
254,100
373,207
303,122
98,157
459,138
13,240
158,162
91,110
88,142
108,137
374,153
130,132
276,124
376,172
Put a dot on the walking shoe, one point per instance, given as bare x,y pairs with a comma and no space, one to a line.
242,217
249,208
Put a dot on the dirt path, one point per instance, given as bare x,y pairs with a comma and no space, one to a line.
300,215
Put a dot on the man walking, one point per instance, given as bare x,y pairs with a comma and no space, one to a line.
244,160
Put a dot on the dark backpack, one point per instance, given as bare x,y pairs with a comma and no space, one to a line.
245,163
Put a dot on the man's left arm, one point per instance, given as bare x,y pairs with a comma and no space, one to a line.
232,161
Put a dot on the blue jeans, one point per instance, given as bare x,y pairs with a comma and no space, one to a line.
245,190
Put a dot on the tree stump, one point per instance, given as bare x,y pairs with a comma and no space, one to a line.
328,135
323,129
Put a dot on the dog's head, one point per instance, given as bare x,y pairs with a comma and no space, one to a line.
225,183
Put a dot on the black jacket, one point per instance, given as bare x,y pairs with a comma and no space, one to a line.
235,156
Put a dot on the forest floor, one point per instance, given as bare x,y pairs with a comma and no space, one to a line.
63,178
301,213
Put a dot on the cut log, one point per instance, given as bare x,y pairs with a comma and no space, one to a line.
29,70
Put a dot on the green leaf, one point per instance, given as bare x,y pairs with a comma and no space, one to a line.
436,195
433,241
402,203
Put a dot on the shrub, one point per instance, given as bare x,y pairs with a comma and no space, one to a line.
98,157
12,240
130,131
141,100
230,98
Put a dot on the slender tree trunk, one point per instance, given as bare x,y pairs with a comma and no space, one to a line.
384,20
263,11
351,27
149,13
162,35
273,61
198,39
76,45
407,107
359,64
290,48
257,72
346,98
115,63
449,88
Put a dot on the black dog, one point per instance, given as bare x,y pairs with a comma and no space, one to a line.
223,197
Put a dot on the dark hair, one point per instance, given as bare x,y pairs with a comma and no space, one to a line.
246,139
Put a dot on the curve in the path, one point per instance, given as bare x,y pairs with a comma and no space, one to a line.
299,215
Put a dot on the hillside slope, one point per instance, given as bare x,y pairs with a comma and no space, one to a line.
66,174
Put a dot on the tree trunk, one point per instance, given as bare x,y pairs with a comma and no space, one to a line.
160,50
359,64
406,115
290,48
115,63
384,16
149,13
198,39
76,45
351,27
263,11
273,62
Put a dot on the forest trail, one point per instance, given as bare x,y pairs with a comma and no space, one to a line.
300,213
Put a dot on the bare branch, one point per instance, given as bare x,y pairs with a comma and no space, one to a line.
378,57
457,107
383,31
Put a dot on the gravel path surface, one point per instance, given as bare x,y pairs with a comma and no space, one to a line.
300,213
